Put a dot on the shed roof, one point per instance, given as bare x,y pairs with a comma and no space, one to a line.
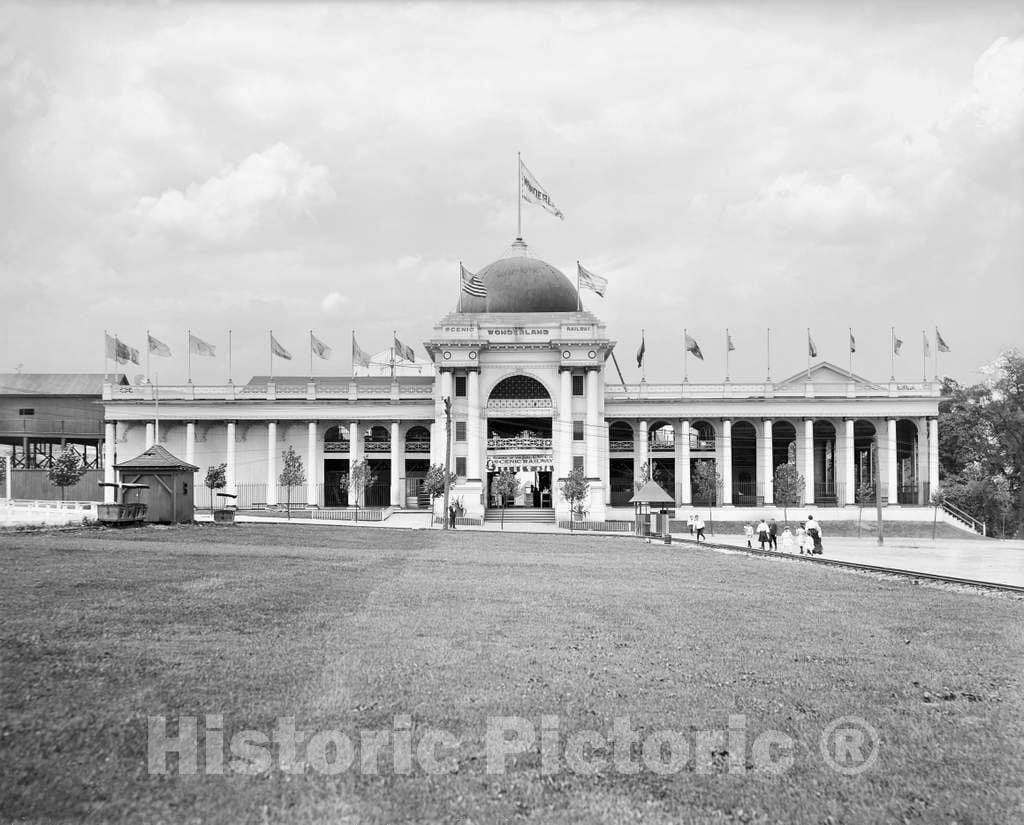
57,383
155,458
652,493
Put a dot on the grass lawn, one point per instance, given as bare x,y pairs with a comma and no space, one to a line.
355,629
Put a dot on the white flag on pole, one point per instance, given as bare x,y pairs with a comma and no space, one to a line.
533,192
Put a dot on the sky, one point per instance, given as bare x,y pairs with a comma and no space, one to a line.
175,166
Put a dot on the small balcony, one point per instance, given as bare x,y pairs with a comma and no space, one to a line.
519,443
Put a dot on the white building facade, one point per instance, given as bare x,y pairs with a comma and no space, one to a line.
533,387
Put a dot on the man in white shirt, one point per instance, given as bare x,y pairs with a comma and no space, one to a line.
814,532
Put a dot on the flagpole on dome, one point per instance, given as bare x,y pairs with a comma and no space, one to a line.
519,196
460,286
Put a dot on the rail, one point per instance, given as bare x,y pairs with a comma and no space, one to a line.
962,515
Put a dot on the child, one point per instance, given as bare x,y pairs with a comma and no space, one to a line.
787,540
748,531
801,539
762,533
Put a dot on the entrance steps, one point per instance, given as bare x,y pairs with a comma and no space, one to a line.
520,515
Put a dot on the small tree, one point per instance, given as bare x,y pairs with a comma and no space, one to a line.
292,474
575,489
216,479
66,470
938,498
506,485
360,476
437,482
789,486
865,493
707,482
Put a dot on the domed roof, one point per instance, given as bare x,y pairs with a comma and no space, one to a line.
518,282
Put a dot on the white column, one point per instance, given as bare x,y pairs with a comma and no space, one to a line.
311,465
808,461
593,429
565,424
109,443
473,425
767,452
150,438
355,443
231,485
397,468
890,460
271,462
643,451
726,462
849,463
933,456
683,471
446,388
190,442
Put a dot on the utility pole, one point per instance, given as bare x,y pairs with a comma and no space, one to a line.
447,455
878,488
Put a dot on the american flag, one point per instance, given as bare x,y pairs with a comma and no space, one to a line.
472,285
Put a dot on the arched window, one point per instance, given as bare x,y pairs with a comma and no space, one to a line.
702,436
417,440
620,438
377,440
335,434
661,437
519,386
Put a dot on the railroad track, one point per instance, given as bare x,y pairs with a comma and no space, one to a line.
868,568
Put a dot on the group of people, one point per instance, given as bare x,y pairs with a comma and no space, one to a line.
807,539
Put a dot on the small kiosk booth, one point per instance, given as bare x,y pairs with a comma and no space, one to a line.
170,494
651,507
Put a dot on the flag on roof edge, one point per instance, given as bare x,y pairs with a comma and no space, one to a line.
320,349
278,350
940,341
359,357
591,281
812,350
471,284
404,351
158,347
693,346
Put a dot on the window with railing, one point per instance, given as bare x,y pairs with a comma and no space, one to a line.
417,440
702,436
519,442
377,440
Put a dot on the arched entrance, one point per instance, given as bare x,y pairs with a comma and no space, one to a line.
620,440
906,462
824,463
417,442
783,443
863,462
519,438
336,453
744,464
661,448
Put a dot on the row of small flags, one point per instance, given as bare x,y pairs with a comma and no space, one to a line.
691,346
117,350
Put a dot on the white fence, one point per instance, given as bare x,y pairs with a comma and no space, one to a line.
46,513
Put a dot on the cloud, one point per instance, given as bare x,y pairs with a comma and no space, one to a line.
333,302
841,210
267,188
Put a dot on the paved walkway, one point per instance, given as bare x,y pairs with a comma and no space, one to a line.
994,560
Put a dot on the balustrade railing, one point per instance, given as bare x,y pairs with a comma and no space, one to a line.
519,443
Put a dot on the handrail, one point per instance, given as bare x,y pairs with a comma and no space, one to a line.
964,516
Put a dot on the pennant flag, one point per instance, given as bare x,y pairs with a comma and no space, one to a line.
198,346
939,342
812,350
532,192
320,349
897,345
359,358
403,351
471,284
693,347
927,346
640,352
158,347
728,342
591,281
853,342
278,350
